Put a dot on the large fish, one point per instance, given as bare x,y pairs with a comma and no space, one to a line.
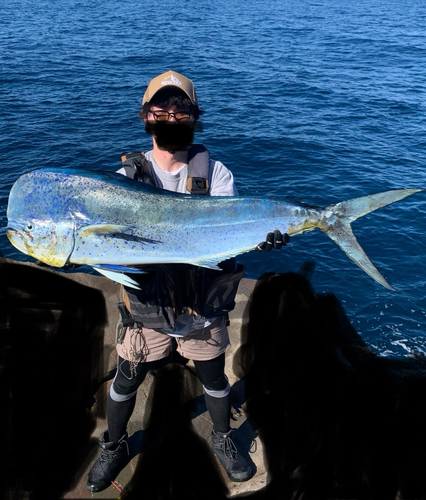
110,222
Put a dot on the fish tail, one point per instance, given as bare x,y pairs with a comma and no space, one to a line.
336,223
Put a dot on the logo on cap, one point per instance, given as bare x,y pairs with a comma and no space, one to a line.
171,80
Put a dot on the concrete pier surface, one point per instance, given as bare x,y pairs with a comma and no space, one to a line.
315,412
40,298
200,420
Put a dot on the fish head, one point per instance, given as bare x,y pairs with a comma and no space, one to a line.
45,240
36,224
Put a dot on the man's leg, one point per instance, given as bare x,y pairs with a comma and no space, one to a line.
114,450
218,401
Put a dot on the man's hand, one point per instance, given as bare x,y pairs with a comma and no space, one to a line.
273,240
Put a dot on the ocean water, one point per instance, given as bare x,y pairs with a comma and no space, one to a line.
319,101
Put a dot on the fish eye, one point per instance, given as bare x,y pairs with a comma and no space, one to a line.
29,226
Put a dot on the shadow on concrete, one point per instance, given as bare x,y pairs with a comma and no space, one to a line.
335,420
174,459
178,462
51,348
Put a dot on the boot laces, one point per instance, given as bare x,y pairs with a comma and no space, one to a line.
105,459
229,449
107,456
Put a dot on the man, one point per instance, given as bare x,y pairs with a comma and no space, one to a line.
155,319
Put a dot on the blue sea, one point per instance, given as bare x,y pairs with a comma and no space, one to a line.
314,100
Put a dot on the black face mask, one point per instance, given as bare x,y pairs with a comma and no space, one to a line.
171,136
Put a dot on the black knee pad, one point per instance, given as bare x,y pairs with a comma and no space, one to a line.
218,384
212,373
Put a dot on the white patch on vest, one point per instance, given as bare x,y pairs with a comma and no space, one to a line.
171,80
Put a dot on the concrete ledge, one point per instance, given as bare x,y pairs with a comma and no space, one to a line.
34,287
314,410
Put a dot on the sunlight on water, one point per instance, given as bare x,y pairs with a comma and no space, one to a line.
314,101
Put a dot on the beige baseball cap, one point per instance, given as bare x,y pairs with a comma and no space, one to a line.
170,78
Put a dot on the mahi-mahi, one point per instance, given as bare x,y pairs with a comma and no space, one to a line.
115,224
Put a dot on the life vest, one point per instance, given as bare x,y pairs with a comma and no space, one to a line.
137,167
169,290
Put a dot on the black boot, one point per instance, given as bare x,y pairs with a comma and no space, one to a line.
112,459
235,465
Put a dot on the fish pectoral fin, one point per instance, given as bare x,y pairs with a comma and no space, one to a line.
118,269
118,277
341,233
99,229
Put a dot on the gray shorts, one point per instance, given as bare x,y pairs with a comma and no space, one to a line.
144,344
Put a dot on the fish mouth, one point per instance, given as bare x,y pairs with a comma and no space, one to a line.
13,225
14,235
52,251
18,237
13,229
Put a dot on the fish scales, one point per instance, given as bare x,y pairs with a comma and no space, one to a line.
61,216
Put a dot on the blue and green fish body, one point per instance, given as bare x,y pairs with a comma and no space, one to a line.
115,224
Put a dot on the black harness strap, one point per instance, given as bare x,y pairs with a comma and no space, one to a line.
198,170
137,167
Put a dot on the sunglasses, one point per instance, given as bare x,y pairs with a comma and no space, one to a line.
164,116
